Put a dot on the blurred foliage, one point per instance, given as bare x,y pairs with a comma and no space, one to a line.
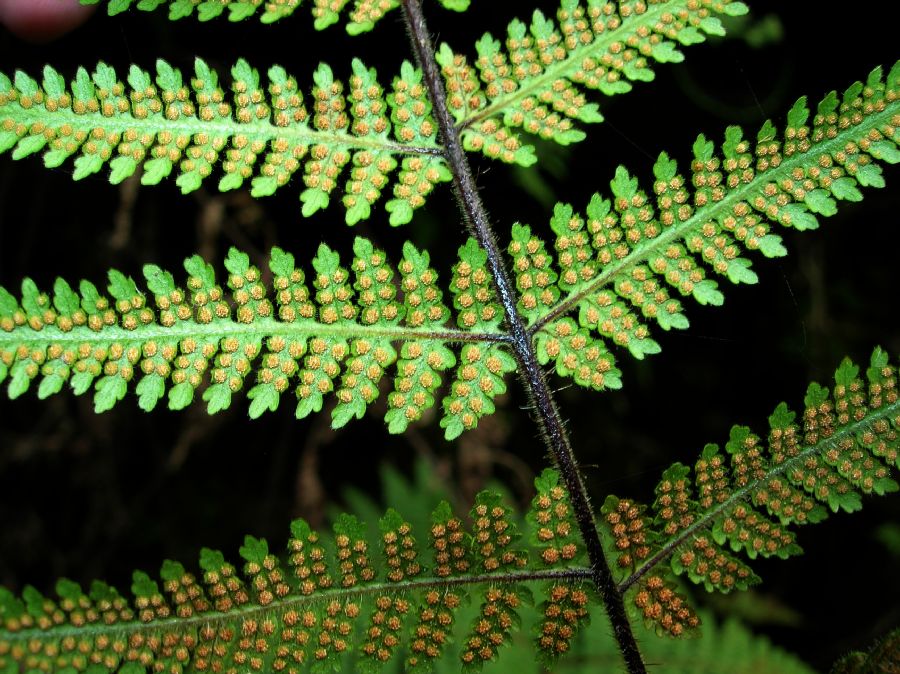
882,658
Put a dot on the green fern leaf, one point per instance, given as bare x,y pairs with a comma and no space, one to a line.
744,499
624,264
328,600
362,15
535,80
261,134
567,646
481,366
728,647
341,340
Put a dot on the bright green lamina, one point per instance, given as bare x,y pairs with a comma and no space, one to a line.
356,140
632,258
396,596
535,81
349,141
339,335
741,502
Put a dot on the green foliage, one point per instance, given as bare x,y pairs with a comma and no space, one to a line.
621,262
401,600
339,338
846,443
260,134
263,132
728,647
345,601
617,268
375,598
535,81
333,595
362,15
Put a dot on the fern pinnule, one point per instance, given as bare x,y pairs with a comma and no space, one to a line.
327,600
362,17
554,531
845,444
535,80
261,133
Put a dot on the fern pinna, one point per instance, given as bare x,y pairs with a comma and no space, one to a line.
321,601
623,266
326,600
844,444
262,133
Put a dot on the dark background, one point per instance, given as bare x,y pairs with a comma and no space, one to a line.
88,496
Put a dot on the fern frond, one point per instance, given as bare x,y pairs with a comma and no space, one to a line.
845,444
362,15
341,339
259,133
535,82
327,599
729,647
628,262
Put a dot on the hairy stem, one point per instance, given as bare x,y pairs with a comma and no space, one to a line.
551,424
